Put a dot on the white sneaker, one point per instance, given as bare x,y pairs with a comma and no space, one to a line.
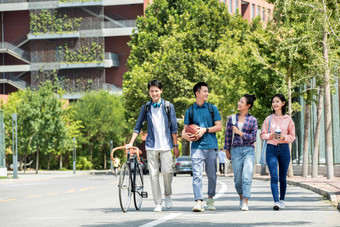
276,206
244,207
158,208
241,203
282,204
210,204
168,202
198,207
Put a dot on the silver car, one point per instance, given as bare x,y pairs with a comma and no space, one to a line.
183,165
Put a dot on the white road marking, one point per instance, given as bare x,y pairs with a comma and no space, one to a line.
161,220
222,190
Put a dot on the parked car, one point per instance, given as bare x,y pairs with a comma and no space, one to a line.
183,165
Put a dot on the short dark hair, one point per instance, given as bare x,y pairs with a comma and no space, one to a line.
198,86
249,99
283,99
156,83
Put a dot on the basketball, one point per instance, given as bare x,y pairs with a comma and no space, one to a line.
193,129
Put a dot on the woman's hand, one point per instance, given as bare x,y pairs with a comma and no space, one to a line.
237,131
228,155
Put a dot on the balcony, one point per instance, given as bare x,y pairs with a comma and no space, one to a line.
79,4
118,28
10,78
17,52
54,36
111,60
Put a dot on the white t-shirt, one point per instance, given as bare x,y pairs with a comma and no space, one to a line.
161,139
240,126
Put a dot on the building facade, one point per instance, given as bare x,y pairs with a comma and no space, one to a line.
81,45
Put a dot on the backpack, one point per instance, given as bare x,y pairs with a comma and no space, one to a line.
167,110
191,113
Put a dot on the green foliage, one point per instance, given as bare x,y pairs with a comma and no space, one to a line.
50,21
83,164
43,123
83,54
102,115
69,1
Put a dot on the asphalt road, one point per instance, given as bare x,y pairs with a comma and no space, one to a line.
92,200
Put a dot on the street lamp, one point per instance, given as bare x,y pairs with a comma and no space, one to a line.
74,155
15,145
111,147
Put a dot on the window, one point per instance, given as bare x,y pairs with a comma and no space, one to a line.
268,15
258,11
263,14
230,6
236,5
252,11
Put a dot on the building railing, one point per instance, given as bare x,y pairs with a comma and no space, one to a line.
120,24
18,51
112,88
12,1
19,82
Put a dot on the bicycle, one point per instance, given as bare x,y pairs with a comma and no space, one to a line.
130,179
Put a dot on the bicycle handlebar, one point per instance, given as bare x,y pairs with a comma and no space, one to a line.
133,150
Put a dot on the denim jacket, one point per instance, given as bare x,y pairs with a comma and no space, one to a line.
150,139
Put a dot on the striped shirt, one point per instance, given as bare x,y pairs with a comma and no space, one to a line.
249,130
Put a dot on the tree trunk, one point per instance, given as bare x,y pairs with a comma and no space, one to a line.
328,114
25,157
61,161
305,140
104,160
48,161
37,162
290,111
317,135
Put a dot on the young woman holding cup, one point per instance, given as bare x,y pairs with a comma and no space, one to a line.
281,133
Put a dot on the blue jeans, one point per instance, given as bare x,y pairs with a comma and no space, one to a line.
242,160
278,155
209,157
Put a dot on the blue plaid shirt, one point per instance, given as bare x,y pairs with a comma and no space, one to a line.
249,130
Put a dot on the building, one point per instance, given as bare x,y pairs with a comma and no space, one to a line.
82,45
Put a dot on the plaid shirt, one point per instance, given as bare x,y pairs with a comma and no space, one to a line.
249,130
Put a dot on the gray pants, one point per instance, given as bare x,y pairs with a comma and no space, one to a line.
167,171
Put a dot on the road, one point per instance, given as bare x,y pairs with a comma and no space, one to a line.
92,200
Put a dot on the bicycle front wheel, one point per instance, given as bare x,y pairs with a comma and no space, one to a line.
124,188
139,186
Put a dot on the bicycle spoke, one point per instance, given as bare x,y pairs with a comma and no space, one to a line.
139,187
125,188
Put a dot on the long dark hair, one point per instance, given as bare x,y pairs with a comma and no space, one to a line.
283,99
250,99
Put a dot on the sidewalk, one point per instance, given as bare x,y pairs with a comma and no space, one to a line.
49,174
328,188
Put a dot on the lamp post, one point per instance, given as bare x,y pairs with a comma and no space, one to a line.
111,147
15,145
74,155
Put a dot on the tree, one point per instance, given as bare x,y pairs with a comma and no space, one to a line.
103,117
320,26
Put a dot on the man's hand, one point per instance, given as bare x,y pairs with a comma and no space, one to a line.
228,155
176,152
200,132
189,136
128,146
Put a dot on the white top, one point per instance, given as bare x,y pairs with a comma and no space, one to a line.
240,125
161,139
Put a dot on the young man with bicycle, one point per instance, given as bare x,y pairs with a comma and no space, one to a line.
204,146
161,139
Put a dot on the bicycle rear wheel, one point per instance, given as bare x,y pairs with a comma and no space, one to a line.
124,188
139,186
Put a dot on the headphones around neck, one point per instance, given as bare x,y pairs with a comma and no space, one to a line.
157,104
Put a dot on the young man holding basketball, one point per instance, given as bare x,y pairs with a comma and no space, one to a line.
204,144
161,139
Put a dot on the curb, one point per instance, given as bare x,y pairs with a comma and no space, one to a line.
330,195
